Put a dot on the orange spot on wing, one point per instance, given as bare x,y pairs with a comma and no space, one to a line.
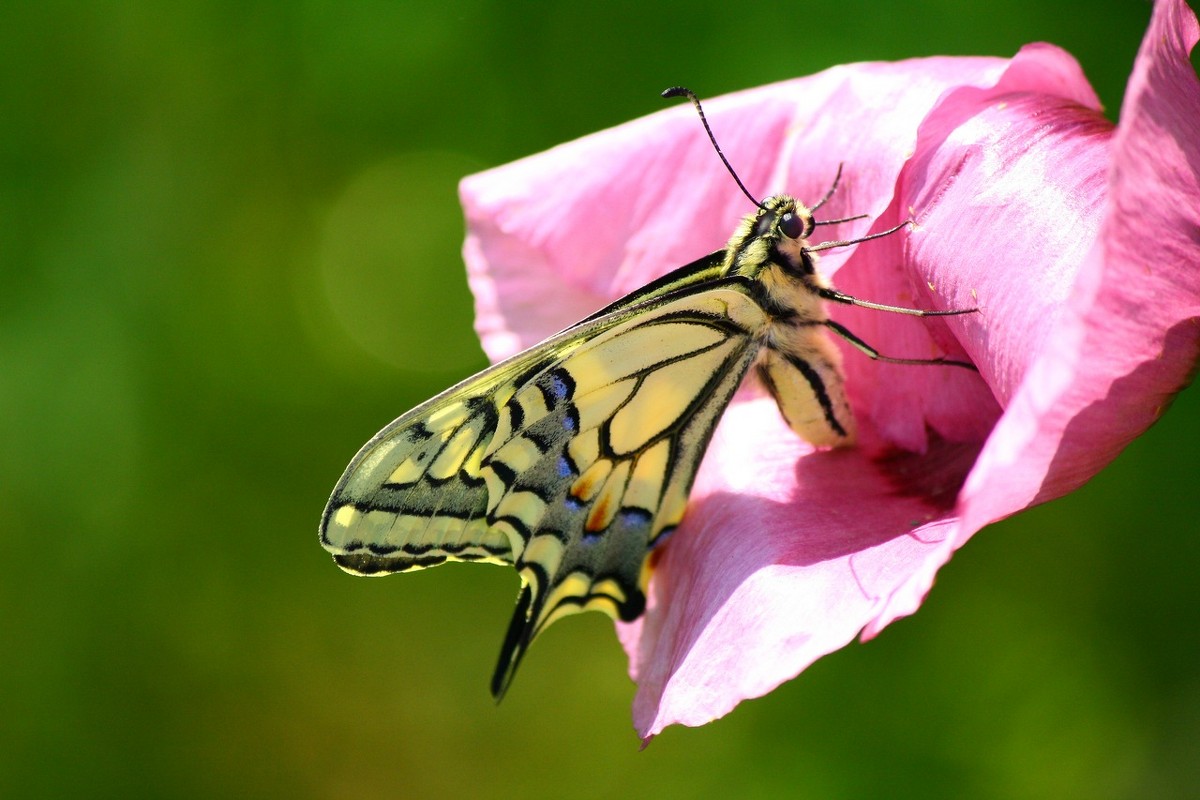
584,487
599,517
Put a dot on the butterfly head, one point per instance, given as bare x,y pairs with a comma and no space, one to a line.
782,218
775,235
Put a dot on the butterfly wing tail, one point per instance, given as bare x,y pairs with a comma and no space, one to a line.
516,642
532,615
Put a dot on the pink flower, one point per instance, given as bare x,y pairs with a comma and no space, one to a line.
1078,240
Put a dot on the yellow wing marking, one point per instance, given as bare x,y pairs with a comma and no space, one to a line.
664,396
524,506
637,350
608,501
447,418
584,449
454,453
646,482
589,483
545,551
598,405
518,454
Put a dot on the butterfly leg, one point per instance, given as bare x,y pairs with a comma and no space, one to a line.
871,352
835,296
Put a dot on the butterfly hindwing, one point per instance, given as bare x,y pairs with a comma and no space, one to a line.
610,439
568,461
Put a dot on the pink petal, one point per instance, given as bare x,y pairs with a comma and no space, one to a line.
777,569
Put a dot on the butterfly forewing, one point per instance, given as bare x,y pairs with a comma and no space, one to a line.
413,496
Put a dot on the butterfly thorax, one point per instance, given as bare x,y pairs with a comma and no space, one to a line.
797,364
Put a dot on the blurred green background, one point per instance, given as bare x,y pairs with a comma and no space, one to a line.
229,241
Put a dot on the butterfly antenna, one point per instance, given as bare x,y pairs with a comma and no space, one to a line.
679,91
838,221
832,188
867,238
837,179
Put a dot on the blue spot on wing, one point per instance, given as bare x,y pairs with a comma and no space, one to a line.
556,387
663,535
560,386
634,517
565,468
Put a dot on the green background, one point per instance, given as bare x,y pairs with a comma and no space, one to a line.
226,236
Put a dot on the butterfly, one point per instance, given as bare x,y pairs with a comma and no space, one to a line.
573,460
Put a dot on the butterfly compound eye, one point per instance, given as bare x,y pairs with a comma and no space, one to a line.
792,226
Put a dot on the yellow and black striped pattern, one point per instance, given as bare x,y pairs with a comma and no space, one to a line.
572,460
